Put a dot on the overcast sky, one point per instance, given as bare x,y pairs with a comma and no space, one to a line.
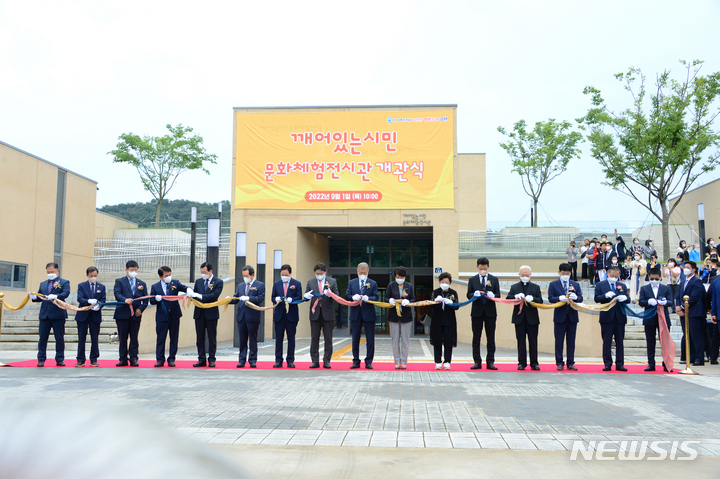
75,75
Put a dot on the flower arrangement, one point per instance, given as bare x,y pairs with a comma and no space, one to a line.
56,285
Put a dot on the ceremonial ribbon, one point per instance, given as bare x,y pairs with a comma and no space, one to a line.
667,345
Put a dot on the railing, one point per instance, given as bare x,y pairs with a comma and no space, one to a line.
201,226
111,254
474,242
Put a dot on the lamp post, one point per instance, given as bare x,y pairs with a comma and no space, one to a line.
701,229
261,260
193,242
240,259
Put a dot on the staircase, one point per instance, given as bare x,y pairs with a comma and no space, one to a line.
635,344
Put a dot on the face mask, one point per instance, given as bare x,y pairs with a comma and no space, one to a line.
682,245
362,277
319,277
247,280
712,243
483,273
285,279
444,286
525,279
609,248
614,262
671,265
650,243
204,276
655,282
612,280
592,245
400,280
92,280
167,279
637,258
565,277
687,272
52,276
636,242
132,274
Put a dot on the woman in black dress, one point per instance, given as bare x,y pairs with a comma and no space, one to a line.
443,328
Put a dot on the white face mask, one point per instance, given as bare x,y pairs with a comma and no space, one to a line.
400,280
655,282
132,274
614,261
319,277
52,276
525,279
636,242
609,248
687,272
285,279
565,277
92,280
671,265
444,286
483,273
712,243
592,245
612,280
204,276
167,279
637,258
362,277
247,279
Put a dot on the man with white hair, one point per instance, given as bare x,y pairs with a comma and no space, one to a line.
526,320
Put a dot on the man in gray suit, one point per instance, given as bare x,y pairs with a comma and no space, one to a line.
322,314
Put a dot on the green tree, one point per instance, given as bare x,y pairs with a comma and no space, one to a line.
540,155
161,159
658,146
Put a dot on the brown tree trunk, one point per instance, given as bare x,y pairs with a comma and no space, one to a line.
157,213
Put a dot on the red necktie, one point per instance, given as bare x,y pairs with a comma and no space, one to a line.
285,289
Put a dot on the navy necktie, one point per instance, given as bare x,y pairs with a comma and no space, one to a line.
206,284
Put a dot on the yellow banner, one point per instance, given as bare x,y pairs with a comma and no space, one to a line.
387,159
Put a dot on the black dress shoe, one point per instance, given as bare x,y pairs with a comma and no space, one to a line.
521,367
535,367
368,366
121,364
326,364
60,363
94,364
240,365
210,364
682,361
620,368
650,368
492,366
291,364
253,365
317,365
159,364
134,363
201,364
80,364
355,366
606,368
713,361
696,363
572,368
275,366
476,366
560,367
41,363
171,364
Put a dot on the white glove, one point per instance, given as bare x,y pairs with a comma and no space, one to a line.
327,293
609,294
356,297
662,302
653,302
622,298
277,299
33,296
96,307
529,298
489,294
573,296
447,300
190,292
52,296
563,299
439,299
520,296
307,295
405,302
477,293
197,296
158,298
92,301
365,298
227,297
391,301
244,298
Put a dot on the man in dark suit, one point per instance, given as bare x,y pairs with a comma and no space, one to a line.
285,320
604,260
248,319
126,290
363,315
207,290
52,316
565,318
653,295
526,321
90,293
693,287
483,312
167,314
322,314
612,321
714,329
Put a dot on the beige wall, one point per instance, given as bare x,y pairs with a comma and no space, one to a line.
106,224
28,193
687,213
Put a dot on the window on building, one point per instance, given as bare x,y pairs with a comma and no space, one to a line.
13,276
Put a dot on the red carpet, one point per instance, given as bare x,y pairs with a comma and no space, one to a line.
377,366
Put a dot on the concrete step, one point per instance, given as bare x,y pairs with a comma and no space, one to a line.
70,348
12,332
33,338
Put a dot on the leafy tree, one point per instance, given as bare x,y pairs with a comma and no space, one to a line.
540,155
656,148
161,159
172,210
